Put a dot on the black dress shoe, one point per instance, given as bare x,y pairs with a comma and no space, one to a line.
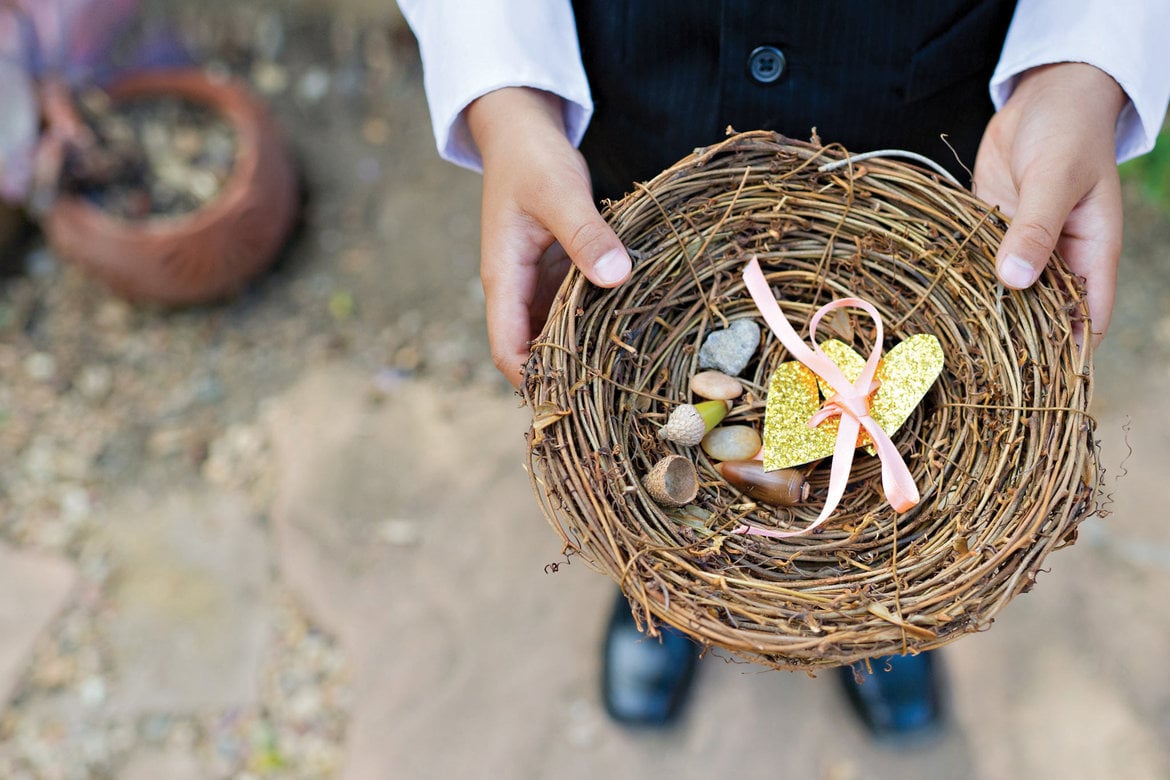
645,681
901,700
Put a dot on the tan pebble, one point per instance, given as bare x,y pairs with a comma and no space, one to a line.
732,442
95,382
376,131
672,481
56,671
716,385
40,366
270,78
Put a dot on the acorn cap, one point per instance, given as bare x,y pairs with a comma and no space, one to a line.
689,423
685,426
672,481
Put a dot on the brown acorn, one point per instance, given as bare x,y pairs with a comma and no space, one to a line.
782,487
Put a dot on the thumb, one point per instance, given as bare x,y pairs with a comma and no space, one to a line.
1034,231
590,243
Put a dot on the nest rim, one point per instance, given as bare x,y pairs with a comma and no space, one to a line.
611,363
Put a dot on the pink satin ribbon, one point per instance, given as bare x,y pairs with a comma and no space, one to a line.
850,402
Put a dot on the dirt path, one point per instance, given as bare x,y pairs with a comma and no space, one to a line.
289,536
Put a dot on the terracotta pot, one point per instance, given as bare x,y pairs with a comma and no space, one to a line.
204,255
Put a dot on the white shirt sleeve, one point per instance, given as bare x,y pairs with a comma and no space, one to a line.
1128,39
471,48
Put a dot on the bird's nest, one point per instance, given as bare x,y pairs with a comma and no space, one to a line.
1001,447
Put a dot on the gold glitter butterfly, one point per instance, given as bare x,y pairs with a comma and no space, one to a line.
795,393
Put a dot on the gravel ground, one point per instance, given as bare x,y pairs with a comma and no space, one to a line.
98,396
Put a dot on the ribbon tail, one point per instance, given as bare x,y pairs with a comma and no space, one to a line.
844,448
897,481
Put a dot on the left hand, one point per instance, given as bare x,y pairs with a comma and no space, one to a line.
1047,160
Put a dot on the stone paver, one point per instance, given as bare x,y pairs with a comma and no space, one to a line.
468,655
34,588
190,595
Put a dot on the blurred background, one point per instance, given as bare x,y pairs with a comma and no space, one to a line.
289,535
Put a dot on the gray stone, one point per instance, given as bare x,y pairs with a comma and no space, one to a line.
34,588
730,349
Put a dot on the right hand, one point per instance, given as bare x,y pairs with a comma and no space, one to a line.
538,215
1047,160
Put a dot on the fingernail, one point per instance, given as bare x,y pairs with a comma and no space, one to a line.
612,267
1017,272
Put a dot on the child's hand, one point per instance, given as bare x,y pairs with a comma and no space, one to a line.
537,198
1047,160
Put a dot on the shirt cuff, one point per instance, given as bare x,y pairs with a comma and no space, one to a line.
1125,44
470,49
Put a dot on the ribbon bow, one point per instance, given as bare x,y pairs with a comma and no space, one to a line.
850,402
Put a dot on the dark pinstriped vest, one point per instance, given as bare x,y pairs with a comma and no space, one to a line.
670,75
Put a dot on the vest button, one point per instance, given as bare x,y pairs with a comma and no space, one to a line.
766,64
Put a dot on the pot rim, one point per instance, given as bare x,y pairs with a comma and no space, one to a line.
224,95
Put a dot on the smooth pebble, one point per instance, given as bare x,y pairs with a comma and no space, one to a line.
730,349
716,385
732,442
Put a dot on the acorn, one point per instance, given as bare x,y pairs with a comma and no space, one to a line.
672,481
782,487
689,423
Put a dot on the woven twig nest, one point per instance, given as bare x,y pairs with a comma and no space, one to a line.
1001,447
